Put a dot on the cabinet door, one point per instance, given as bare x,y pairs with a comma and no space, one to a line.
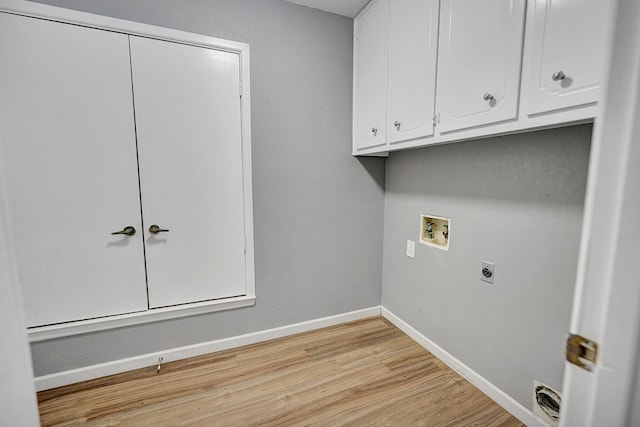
187,103
568,53
371,63
479,58
413,46
68,144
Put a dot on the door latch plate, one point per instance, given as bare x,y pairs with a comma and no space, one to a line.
581,352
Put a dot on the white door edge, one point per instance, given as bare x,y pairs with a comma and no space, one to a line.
18,405
607,297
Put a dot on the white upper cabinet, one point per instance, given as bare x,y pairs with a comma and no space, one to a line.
413,47
395,53
68,144
567,52
480,51
464,57
371,62
187,104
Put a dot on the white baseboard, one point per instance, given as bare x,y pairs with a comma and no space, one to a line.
500,397
46,382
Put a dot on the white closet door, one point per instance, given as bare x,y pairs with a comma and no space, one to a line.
187,103
68,144
479,57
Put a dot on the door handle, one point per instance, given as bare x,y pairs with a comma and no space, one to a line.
127,231
154,229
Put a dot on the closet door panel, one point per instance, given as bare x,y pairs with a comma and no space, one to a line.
480,50
68,147
187,102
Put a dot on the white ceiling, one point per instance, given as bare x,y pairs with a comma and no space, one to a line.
348,8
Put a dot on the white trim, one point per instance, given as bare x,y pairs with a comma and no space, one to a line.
46,382
18,405
554,119
606,305
68,16
44,333
247,175
500,397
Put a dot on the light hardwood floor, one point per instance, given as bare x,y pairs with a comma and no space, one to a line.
365,373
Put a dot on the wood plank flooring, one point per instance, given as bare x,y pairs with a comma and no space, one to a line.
363,373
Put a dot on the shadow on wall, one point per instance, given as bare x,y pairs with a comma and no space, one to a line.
375,167
549,166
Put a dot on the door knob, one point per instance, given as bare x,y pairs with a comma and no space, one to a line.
488,97
397,125
127,231
154,229
559,75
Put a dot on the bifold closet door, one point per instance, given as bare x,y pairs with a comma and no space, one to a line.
68,147
187,104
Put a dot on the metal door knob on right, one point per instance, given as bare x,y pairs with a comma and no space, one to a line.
374,131
488,97
154,229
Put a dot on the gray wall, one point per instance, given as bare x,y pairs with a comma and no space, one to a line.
318,211
516,201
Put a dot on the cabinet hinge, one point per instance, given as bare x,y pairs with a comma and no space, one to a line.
436,119
244,244
240,88
581,352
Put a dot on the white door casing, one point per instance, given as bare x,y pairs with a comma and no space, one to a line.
606,305
18,403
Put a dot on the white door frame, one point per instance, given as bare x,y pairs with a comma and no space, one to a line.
18,404
607,297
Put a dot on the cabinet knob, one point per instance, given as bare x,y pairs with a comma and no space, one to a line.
127,231
488,97
397,125
154,229
374,131
558,75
